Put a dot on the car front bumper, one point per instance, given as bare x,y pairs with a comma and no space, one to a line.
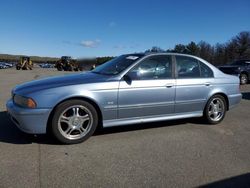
33,121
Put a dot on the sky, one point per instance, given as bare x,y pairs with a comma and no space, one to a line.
87,28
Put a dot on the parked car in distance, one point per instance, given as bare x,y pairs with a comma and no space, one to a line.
240,68
4,65
129,89
47,65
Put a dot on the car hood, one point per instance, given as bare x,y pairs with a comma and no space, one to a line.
59,81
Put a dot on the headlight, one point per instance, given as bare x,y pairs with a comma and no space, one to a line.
24,101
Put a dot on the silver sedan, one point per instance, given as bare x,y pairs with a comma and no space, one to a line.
130,89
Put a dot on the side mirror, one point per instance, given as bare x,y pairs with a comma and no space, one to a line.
127,79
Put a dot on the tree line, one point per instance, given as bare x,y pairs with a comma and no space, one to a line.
238,47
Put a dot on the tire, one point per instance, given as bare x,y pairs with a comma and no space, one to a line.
215,109
74,121
243,79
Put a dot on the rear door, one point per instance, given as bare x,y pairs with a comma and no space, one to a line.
193,83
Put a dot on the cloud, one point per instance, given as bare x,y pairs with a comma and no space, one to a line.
90,43
112,24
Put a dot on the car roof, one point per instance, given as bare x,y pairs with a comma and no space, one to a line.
160,53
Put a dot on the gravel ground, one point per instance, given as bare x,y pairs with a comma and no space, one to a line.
183,153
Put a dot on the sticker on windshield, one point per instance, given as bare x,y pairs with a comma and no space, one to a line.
132,57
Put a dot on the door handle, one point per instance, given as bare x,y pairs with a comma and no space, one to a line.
169,85
207,84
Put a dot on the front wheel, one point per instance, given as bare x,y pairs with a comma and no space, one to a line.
215,109
74,121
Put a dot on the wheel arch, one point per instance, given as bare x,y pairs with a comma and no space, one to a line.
92,102
223,95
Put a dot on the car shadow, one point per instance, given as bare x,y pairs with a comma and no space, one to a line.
236,181
246,95
9,133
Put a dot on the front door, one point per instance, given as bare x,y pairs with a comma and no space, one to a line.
149,90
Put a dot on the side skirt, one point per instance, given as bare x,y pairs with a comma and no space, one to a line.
146,119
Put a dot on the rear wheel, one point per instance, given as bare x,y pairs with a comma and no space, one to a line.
215,109
74,121
243,79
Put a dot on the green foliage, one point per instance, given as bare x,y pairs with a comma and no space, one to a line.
154,49
236,48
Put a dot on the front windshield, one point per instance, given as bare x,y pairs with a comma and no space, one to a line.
117,65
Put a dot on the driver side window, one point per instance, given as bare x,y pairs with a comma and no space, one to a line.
156,67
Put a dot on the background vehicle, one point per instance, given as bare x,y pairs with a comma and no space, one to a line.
129,89
4,65
66,63
25,63
47,65
239,68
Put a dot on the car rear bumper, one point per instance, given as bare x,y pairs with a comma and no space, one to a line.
234,100
33,121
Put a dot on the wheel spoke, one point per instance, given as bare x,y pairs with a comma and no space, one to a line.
220,110
213,105
76,111
215,114
82,130
69,130
210,113
85,118
64,119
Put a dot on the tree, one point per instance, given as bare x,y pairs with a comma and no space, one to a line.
236,48
219,54
206,51
180,48
243,44
155,49
192,48
231,51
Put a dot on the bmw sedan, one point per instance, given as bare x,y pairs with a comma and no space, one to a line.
129,89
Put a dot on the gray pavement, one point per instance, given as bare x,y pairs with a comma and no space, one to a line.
183,153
